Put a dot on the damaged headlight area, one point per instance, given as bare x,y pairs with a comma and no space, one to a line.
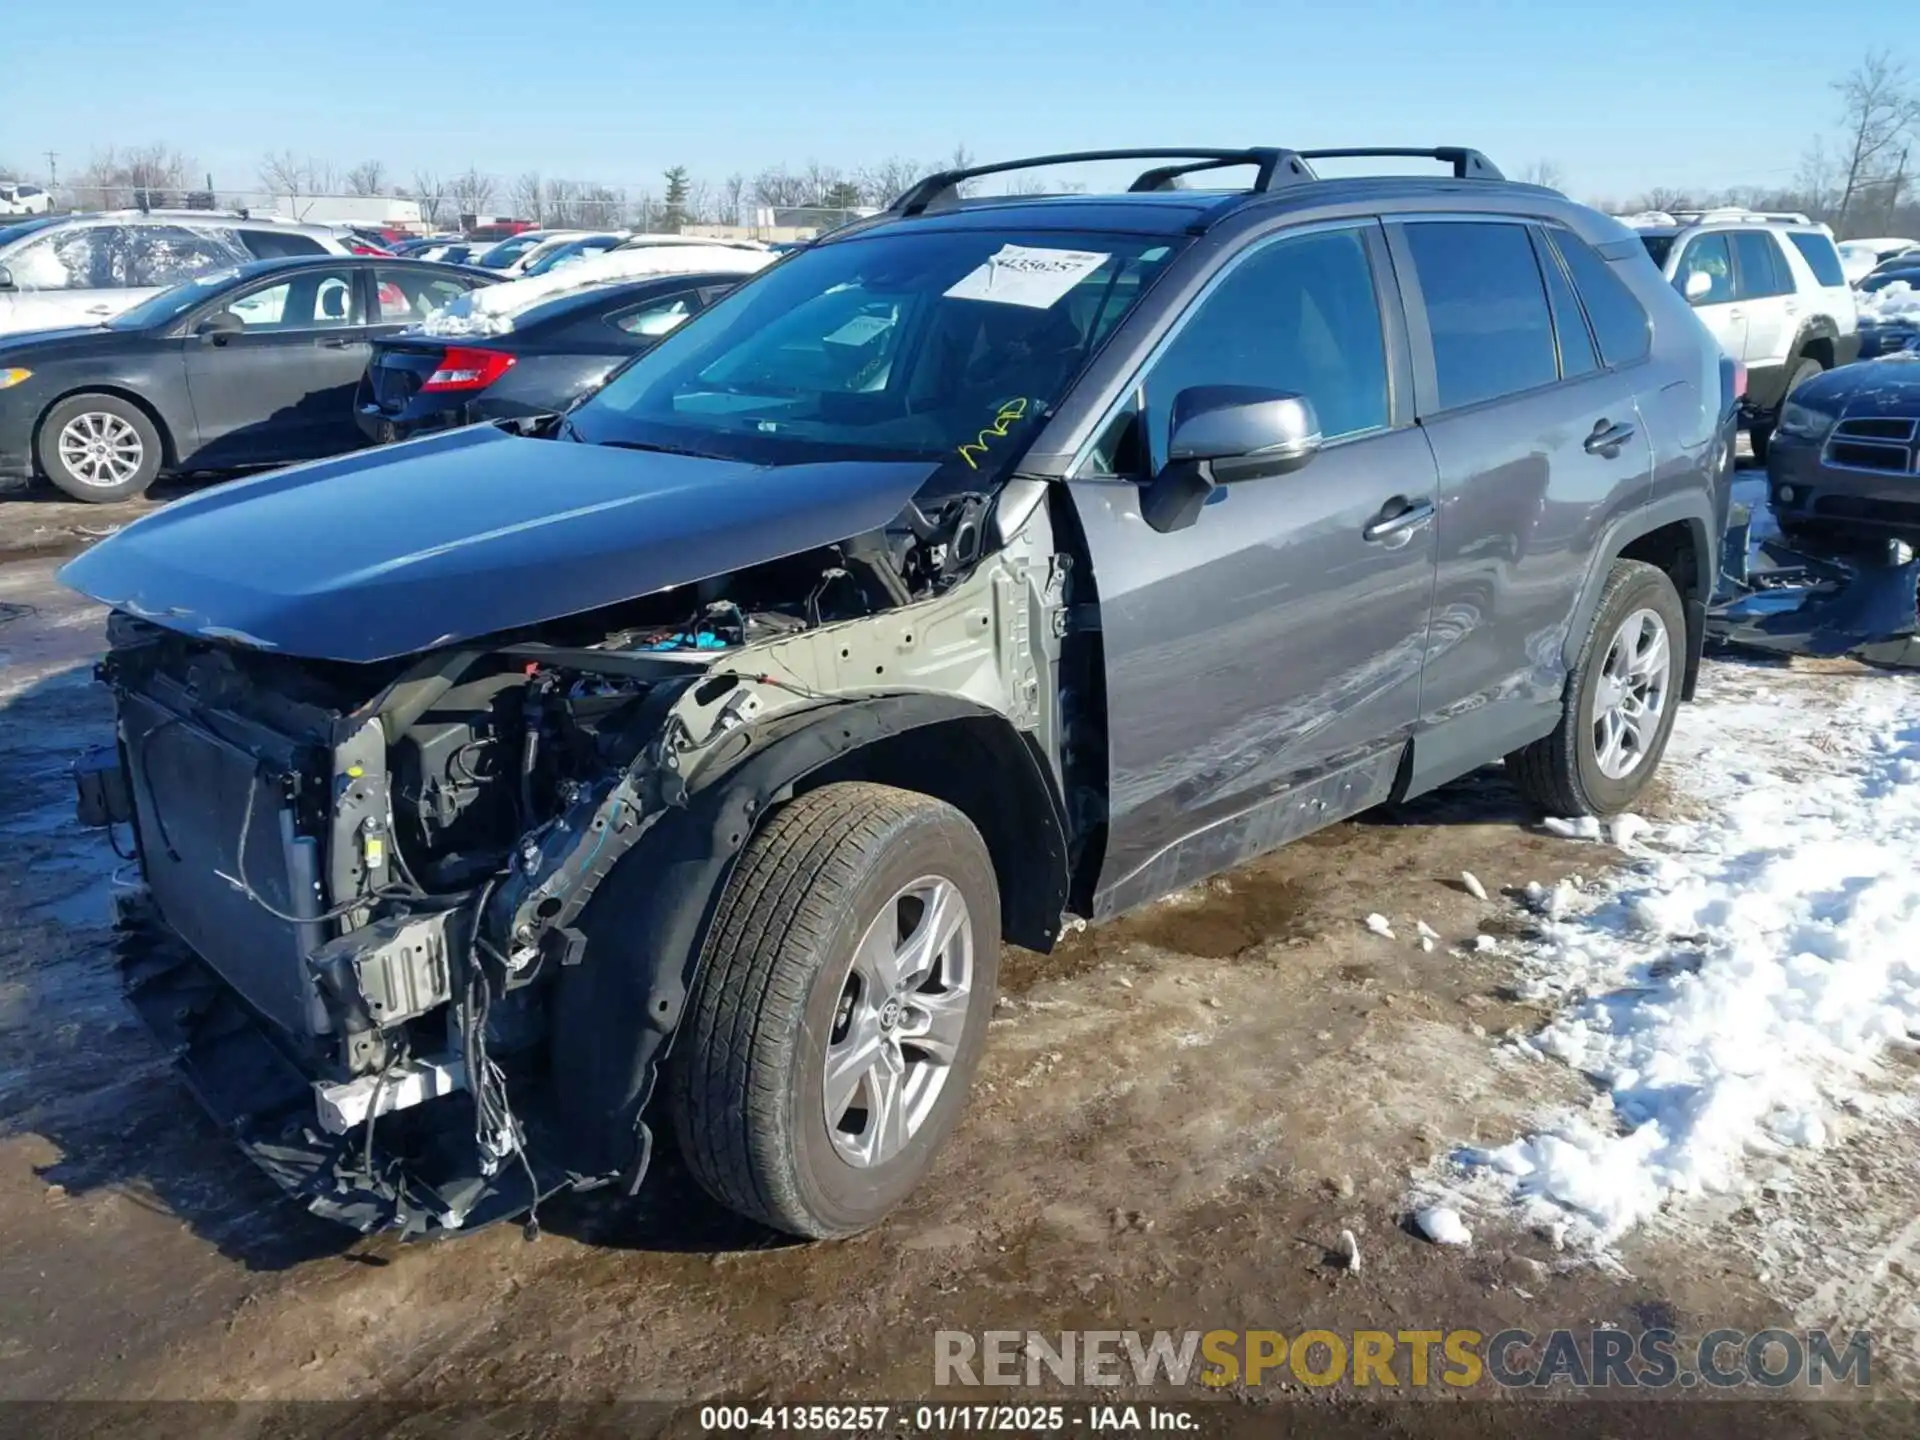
362,881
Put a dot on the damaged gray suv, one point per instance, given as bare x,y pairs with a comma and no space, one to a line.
507,797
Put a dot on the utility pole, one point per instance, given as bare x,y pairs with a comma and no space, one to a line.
53,169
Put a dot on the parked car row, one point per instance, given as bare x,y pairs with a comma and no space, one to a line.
268,362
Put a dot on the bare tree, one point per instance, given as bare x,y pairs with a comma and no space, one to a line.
733,194
778,188
1881,108
145,175
322,179
366,177
887,181
286,174
1545,173
602,206
470,192
1664,197
431,192
700,203
528,198
562,209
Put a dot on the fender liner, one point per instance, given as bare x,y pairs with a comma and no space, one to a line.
613,1014
1695,509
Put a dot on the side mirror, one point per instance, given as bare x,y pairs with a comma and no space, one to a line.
6,278
218,326
1224,434
1699,284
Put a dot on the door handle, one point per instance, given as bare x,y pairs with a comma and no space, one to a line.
1399,516
334,344
1736,314
1607,440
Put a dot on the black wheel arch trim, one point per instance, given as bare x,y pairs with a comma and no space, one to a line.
610,1026
1694,509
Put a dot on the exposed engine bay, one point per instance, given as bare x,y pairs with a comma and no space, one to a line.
364,881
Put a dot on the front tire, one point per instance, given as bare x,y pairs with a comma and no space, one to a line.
841,1009
99,448
1620,702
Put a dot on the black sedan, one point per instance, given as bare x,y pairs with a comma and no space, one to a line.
554,353
254,365
1844,465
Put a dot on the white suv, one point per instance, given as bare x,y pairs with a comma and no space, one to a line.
1771,290
70,270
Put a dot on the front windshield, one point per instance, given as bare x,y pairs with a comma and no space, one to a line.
171,304
947,346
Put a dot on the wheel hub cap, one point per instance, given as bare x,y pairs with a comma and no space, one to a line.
900,1019
100,449
1630,696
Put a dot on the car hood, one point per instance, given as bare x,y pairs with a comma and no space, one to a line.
1889,387
57,344
394,551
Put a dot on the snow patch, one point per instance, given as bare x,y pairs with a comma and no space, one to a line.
1733,991
1443,1226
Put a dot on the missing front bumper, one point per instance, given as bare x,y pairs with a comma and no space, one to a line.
420,1175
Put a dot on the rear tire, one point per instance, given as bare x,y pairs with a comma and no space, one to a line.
99,448
809,969
1620,702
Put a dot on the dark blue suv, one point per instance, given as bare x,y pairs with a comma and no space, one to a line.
986,562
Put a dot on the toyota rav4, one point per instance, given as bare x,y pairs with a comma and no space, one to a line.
505,796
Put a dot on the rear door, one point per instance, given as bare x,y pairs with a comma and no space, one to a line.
1262,664
1704,275
282,388
1539,445
1764,285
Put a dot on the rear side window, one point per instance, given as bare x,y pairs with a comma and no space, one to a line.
1763,269
1486,310
168,254
1817,250
409,296
275,245
1619,320
1577,356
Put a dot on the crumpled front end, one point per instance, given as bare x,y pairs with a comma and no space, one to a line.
365,882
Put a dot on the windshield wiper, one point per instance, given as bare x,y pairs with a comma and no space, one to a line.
649,445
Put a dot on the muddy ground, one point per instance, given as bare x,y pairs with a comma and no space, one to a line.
1178,1115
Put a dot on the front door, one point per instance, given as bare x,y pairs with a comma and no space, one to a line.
281,387
1705,276
1262,664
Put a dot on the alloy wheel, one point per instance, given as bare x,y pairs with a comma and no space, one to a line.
898,1025
101,449
1631,694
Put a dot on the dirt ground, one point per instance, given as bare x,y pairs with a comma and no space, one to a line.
1178,1115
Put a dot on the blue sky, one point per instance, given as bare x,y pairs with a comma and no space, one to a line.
1622,95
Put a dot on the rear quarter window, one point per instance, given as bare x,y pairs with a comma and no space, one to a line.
1620,324
1821,257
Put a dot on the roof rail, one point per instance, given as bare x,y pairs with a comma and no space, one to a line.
1742,214
1276,168
1467,164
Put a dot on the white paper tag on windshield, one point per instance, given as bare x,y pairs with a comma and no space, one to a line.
859,330
1025,275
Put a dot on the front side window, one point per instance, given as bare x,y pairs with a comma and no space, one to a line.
946,346
1817,250
1620,323
1486,310
1298,315
310,300
1763,269
1708,256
